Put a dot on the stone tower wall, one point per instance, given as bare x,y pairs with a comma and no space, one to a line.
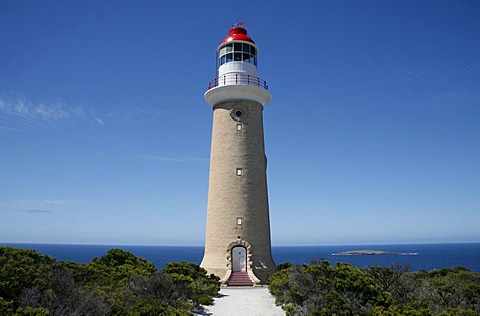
231,196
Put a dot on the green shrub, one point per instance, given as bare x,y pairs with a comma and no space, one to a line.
118,283
322,289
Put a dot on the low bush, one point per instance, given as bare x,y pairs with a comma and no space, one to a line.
320,288
119,283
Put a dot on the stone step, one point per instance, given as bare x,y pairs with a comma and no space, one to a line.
240,279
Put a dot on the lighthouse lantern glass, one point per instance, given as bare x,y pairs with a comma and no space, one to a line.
237,52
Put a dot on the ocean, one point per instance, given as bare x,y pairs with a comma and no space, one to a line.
417,256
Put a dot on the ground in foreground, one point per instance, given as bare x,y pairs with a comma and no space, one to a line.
251,301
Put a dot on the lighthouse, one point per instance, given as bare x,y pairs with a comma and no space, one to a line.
237,244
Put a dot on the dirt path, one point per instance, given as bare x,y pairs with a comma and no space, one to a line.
243,301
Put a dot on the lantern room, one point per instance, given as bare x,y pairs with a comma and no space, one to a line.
236,51
236,65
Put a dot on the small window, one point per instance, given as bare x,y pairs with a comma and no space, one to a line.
238,113
239,172
223,50
237,47
222,60
246,57
239,127
237,56
229,57
239,221
253,51
228,48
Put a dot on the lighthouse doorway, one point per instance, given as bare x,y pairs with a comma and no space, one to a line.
239,259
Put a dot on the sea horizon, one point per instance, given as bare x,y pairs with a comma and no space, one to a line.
280,245
426,256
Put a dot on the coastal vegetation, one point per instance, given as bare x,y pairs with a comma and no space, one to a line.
118,283
321,289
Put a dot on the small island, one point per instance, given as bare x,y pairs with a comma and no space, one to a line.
365,252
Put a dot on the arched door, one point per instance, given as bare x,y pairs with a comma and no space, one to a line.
239,259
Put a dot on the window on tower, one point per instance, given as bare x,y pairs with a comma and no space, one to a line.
237,52
239,172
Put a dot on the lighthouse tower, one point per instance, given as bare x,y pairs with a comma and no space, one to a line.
237,246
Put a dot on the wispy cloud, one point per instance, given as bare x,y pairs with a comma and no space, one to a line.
52,202
422,71
41,206
35,211
99,120
448,99
17,114
130,114
175,159
47,204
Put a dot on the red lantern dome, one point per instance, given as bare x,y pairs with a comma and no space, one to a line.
237,34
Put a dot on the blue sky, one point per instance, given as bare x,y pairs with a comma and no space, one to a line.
372,134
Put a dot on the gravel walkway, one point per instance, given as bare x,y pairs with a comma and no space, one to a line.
252,301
